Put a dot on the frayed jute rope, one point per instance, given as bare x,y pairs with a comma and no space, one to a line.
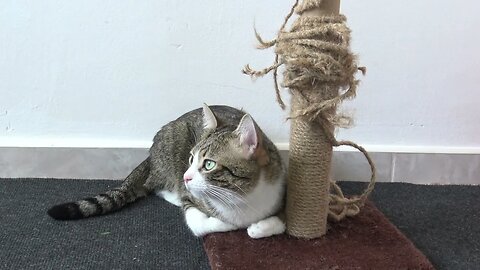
319,70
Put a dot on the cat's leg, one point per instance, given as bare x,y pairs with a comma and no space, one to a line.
201,224
170,196
267,227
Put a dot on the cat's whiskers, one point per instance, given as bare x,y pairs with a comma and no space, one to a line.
227,193
210,194
228,199
244,193
196,187
234,195
224,201
230,194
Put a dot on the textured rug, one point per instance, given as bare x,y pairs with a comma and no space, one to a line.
148,235
368,241
442,221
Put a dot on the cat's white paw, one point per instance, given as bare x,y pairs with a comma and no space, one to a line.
267,227
201,224
196,220
171,197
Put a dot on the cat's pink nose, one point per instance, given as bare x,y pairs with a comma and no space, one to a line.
187,178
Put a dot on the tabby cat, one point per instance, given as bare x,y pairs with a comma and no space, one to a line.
213,162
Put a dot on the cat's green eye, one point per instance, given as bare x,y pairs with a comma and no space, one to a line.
209,164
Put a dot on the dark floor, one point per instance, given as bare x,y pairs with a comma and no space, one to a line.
442,221
149,234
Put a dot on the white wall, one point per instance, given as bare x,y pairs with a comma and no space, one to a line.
110,73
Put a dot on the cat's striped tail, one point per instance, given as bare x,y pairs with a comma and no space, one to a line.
130,190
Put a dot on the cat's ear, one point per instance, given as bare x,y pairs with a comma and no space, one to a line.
248,135
209,119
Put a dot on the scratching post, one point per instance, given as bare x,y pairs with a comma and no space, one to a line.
319,70
311,151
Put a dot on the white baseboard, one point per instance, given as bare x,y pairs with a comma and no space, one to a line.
394,164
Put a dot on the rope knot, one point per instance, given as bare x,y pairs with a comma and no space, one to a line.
315,53
319,70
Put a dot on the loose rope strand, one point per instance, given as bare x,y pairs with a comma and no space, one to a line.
317,61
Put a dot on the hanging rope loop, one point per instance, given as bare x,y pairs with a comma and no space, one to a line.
319,70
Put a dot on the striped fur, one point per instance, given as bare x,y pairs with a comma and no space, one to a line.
112,200
243,189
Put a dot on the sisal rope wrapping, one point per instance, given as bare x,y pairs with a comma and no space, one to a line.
308,176
318,63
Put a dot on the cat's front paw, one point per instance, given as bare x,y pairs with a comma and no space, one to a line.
201,224
267,227
196,220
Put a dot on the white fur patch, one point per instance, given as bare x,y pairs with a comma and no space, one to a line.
197,184
171,197
201,224
253,210
256,205
267,227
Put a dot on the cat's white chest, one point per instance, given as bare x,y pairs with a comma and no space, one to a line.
260,203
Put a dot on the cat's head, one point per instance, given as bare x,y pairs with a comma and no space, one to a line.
227,160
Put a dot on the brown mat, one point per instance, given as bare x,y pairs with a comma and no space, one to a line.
367,241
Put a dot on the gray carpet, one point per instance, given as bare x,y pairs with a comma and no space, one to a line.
442,221
146,235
